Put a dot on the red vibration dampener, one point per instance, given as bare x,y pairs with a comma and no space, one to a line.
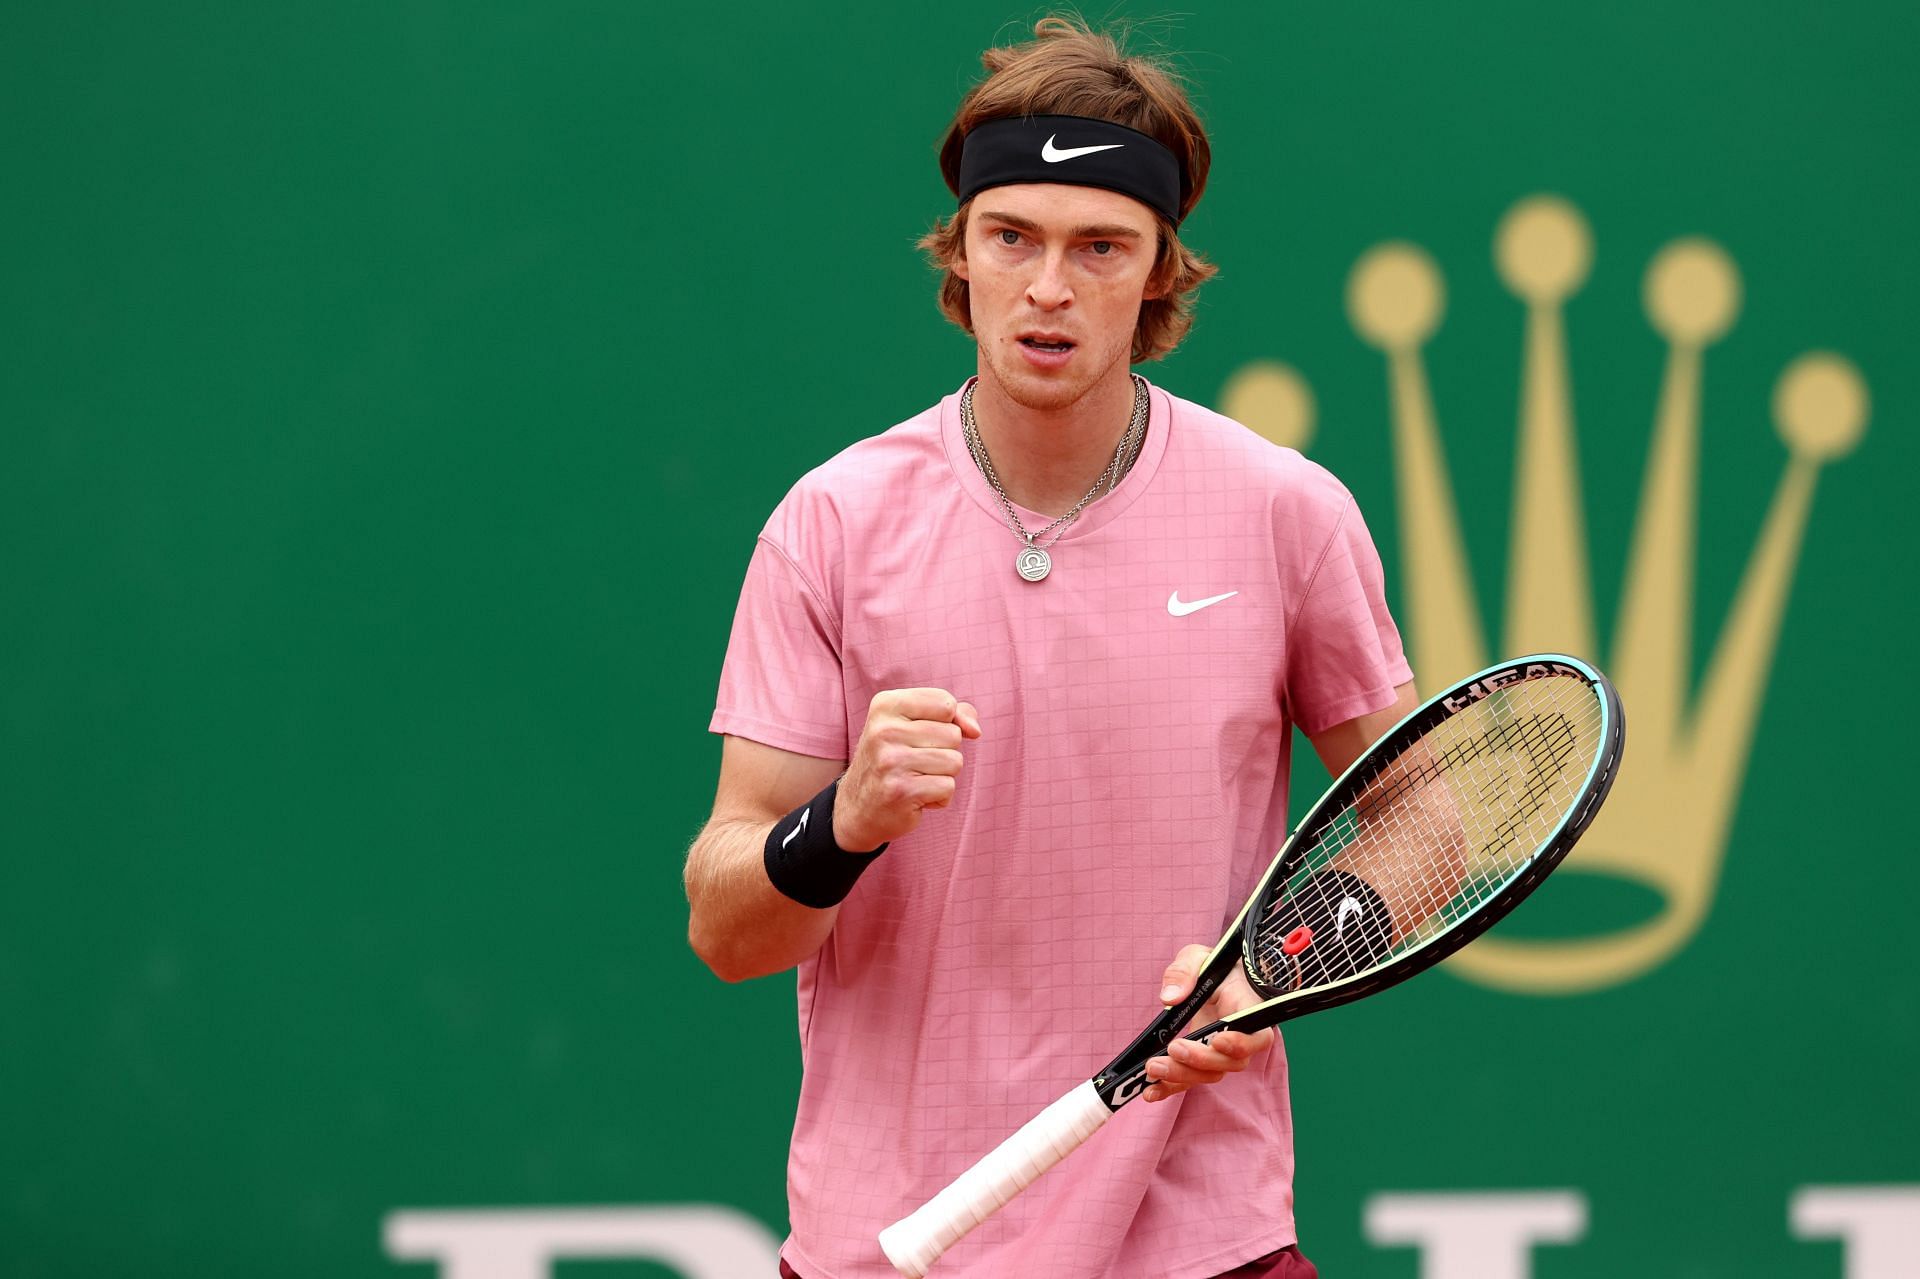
1297,940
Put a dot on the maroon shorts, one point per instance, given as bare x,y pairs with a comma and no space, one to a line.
1285,1264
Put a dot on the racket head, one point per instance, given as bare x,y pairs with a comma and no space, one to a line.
1450,820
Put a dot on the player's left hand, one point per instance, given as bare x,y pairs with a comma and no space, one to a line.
1189,1063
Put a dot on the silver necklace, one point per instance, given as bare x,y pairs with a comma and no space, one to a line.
1034,563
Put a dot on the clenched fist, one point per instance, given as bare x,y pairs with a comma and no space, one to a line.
907,759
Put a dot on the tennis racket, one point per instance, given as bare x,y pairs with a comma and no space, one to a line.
1435,833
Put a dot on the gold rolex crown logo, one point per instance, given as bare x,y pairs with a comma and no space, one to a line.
1667,823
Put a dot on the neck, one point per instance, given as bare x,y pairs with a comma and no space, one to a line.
1047,458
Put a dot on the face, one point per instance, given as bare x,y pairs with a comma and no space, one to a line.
1056,275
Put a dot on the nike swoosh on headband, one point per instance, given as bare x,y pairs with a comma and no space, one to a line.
1054,155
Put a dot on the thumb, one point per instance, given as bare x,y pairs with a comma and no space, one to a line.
1178,979
968,719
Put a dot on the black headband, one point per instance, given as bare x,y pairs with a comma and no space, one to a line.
1073,150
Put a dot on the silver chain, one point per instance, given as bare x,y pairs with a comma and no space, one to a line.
1124,454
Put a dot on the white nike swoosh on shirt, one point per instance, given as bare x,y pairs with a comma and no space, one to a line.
1180,608
1054,155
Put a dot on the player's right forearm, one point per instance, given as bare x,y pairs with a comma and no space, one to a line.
740,925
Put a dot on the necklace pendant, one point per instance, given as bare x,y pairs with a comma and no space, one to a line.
1033,564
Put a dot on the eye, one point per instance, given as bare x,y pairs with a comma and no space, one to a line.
1102,247
1009,237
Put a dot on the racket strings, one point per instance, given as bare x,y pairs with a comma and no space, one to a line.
1445,825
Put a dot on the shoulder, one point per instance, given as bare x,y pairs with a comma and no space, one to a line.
857,478
1292,484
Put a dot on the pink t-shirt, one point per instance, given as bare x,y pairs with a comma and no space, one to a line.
1128,786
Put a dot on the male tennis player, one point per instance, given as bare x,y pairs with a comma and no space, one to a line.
1007,711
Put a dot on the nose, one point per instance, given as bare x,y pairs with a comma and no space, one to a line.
1049,289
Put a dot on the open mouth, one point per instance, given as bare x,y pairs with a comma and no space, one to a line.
1047,344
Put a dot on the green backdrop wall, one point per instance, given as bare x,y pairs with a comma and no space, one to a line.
389,398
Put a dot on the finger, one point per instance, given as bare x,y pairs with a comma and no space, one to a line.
1174,1070
930,792
923,732
920,703
968,719
1190,1063
901,790
1228,1053
930,763
1171,1076
1177,981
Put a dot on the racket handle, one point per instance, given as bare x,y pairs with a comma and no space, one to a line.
915,1242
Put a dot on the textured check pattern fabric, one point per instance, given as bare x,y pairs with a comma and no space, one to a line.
1128,788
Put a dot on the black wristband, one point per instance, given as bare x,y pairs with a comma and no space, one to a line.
802,860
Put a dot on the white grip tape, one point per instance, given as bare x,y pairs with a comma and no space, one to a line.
915,1242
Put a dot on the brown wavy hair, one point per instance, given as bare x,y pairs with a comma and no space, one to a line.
1070,69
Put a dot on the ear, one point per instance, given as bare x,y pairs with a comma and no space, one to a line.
958,264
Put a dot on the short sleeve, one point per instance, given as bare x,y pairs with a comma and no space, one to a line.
782,682
1344,656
